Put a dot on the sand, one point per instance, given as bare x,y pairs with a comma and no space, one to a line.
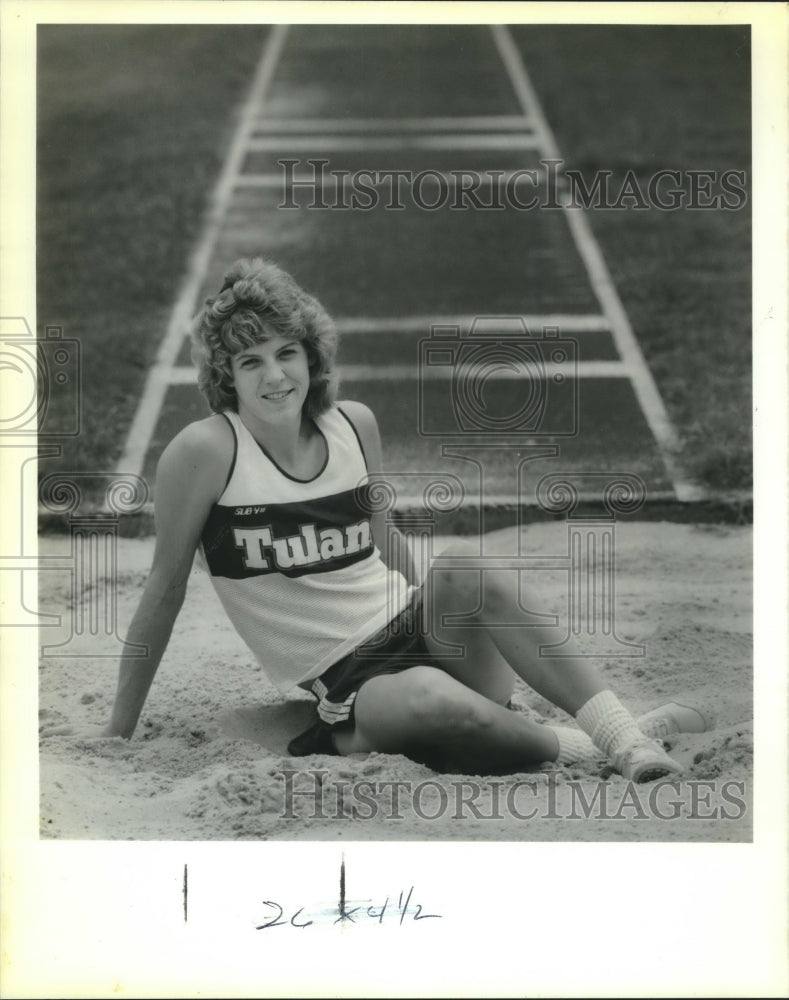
209,758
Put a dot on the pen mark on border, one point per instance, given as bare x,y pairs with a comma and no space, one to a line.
345,914
342,885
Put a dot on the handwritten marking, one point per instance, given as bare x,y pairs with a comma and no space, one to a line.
380,915
275,921
374,911
404,908
186,894
345,914
293,919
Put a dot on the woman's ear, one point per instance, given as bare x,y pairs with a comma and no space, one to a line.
313,361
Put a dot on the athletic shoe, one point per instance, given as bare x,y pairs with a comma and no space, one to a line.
645,761
673,718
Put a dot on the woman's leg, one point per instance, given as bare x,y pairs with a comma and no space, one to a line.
493,603
491,640
430,717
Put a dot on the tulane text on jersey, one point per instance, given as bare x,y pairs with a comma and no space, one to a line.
310,547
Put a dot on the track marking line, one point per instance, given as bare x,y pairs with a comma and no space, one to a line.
567,323
150,404
186,375
325,143
514,370
600,279
443,124
484,180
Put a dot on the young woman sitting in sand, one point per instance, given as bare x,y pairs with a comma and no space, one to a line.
267,489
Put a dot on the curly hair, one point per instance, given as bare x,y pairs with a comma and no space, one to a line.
257,301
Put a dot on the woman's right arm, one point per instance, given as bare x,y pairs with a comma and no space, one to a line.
190,477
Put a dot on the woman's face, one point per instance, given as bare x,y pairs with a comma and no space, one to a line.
271,379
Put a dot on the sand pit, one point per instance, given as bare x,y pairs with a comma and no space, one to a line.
209,758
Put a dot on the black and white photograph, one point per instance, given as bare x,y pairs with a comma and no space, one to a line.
393,474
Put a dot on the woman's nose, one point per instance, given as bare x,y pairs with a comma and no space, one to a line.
272,373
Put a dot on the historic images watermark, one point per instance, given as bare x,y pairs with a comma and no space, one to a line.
309,795
313,184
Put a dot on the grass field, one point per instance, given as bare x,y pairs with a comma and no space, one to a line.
133,123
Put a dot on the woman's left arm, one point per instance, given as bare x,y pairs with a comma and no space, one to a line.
391,542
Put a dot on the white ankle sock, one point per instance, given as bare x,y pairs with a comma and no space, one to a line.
608,723
574,745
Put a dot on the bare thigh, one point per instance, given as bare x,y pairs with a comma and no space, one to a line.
429,716
481,667
397,713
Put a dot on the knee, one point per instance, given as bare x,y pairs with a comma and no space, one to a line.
455,571
456,574
444,711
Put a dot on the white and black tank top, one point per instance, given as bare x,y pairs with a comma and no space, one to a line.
294,562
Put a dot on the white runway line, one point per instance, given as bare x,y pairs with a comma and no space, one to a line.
581,369
323,142
159,376
566,322
186,375
444,124
484,179
643,384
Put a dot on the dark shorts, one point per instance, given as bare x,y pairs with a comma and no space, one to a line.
396,647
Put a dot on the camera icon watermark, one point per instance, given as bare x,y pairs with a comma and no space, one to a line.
40,385
40,380
504,381
40,404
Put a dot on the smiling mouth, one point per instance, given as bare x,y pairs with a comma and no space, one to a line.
277,395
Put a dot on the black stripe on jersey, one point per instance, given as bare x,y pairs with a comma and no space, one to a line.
232,468
295,539
355,430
